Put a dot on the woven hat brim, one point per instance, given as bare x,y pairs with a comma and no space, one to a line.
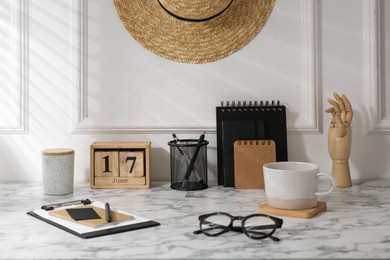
193,42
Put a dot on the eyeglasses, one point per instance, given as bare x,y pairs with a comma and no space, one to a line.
255,226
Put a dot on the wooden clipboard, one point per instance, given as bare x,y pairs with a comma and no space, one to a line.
85,231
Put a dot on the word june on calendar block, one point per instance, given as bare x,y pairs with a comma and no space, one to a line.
120,165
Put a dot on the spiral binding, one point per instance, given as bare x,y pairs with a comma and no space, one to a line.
260,103
254,142
251,106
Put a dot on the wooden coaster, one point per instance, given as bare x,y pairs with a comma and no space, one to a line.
297,213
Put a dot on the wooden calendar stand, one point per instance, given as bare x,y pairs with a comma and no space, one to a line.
120,165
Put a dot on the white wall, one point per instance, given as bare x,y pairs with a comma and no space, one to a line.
72,75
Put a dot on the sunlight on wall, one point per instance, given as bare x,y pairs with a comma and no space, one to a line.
50,86
11,77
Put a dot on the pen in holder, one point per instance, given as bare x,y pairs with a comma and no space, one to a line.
188,163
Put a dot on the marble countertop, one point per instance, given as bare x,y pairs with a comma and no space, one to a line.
355,225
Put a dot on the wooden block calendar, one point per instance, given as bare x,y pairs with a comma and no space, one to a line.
120,165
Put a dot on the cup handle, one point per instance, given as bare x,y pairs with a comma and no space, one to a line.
332,184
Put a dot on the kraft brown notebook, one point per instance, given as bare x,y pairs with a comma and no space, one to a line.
249,158
97,222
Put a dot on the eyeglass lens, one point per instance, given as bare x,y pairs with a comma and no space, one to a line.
215,224
258,226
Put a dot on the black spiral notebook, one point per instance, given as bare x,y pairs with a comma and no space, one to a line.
248,120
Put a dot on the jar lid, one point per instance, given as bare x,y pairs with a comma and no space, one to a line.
57,151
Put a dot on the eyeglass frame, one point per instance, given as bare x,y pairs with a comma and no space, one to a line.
278,224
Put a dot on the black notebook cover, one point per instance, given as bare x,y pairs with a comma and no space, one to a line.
262,121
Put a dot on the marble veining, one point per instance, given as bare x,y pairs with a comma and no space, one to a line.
355,225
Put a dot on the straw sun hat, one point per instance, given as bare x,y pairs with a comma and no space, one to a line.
194,31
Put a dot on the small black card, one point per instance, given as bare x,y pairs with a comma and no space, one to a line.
83,214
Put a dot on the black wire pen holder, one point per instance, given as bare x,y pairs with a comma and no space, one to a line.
188,164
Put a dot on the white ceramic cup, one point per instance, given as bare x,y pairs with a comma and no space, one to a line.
293,185
58,171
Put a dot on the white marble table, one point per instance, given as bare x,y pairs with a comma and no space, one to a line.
356,225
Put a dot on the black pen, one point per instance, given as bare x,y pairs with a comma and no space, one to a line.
67,203
177,141
108,213
192,163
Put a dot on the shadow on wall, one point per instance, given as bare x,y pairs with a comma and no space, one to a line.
160,164
367,155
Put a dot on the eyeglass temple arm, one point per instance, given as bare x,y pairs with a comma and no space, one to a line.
264,227
239,229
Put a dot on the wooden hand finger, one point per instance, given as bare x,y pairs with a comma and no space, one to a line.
348,108
335,105
331,111
340,102
338,121
332,102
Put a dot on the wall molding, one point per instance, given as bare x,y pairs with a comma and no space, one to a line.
378,121
22,46
79,63
307,122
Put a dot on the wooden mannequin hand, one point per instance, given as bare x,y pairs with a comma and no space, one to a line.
340,137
